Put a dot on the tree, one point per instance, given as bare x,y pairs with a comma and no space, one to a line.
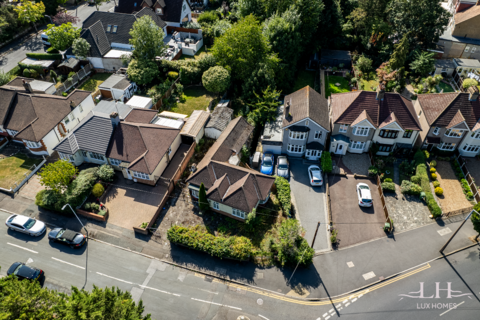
425,20
216,79
57,175
385,74
475,218
63,17
264,109
423,63
98,3
202,198
467,83
242,48
147,39
4,78
364,64
399,56
142,72
30,12
62,37
81,48
290,245
260,79
329,32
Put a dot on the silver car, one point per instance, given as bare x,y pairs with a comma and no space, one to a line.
282,167
315,175
364,195
26,225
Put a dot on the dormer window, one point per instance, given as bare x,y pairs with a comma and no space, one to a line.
361,131
114,29
109,27
159,11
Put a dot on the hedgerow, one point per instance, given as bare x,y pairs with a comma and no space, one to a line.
283,194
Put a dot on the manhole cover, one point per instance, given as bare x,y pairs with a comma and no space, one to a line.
260,301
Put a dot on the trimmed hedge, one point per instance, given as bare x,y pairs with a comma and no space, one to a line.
52,50
283,194
326,161
439,191
199,239
410,188
388,187
39,69
425,184
45,56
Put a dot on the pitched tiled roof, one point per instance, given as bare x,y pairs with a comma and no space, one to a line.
35,115
347,107
388,120
441,108
220,118
97,38
457,119
143,145
467,14
140,115
172,9
307,103
363,116
234,186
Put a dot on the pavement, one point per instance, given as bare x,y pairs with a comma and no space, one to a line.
309,203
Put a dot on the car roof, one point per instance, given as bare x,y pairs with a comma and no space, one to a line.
13,267
366,193
26,272
282,160
69,235
20,220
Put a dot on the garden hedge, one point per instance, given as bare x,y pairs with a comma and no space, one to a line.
388,186
283,194
425,184
39,69
45,56
199,239
326,161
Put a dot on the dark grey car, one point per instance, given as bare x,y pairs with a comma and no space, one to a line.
283,169
67,237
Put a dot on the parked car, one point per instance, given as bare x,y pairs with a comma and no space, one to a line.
33,227
283,167
45,39
364,195
315,175
67,237
267,164
22,271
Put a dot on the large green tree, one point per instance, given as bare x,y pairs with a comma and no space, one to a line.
57,175
142,71
264,108
399,55
330,33
423,63
242,48
80,48
147,39
61,37
30,12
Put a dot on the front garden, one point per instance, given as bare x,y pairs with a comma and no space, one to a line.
15,168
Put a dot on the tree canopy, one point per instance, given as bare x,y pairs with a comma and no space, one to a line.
30,12
216,79
264,109
57,175
147,39
80,48
423,63
142,71
61,37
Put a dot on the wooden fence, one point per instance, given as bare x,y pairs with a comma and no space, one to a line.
179,29
471,182
166,95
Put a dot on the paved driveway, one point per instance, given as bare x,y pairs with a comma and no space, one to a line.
309,203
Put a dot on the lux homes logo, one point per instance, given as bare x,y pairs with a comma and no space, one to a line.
440,293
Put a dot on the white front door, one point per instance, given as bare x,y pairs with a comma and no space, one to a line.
339,149
129,176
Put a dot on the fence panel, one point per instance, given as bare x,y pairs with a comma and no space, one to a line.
81,74
75,79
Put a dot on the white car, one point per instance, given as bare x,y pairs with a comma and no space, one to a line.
26,225
315,175
364,195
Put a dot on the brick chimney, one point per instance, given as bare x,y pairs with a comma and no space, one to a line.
115,119
380,91
27,86
72,104
473,93
287,110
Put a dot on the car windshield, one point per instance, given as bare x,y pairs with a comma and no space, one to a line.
282,167
267,162
30,223
60,233
364,187
366,200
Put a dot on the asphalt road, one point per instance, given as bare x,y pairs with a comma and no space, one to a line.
34,44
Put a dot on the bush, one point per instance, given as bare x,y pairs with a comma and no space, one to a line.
467,83
199,239
410,188
433,163
26,73
419,157
388,187
416,179
436,184
105,173
33,73
39,69
53,74
433,170
434,176
88,206
98,190
208,17
283,194
438,191
326,161
388,180
172,75
45,56
52,50
372,171
71,74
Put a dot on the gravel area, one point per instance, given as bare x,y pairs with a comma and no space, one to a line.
453,198
473,165
353,163
407,211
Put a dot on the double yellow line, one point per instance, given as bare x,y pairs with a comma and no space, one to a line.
337,300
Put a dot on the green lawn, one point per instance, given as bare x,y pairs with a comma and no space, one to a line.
332,88
94,81
197,98
13,169
369,85
200,53
304,78
445,87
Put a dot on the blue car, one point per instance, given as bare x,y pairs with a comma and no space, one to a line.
267,164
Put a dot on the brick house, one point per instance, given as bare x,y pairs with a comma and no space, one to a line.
173,12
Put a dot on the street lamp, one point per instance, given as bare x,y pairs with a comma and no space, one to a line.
86,257
458,229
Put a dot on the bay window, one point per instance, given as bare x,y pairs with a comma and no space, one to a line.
295,148
140,175
454,133
448,146
408,134
32,144
115,162
313,153
357,145
385,148
96,156
238,213
471,148
195,193
297,135
476,135
343,128
361,131
389,134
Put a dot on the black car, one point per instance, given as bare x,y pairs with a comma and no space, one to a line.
68,237
22,271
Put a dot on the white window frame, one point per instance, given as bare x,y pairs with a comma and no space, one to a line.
313,153
472,148
457,133
361,131
238,213
343,128
215,205
195,193
80,108
115,162
140,175
96,156
357,145
85,154
295,148
72,116
32,144
318,135
436,131
114,29
295,135
159,11
67,157
109,27
66,120
447,146
476,135
12,132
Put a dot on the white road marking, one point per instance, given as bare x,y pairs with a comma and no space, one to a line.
327,318
331,310
30,260
444,231
367,276
360,295
452,308
347,304
145,287
344,301
217,304
114,278
338,305
74,265
16,245
340,308
354,300
263,317
350,264
209,291
326,314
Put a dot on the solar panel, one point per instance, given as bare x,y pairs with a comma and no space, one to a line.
69,235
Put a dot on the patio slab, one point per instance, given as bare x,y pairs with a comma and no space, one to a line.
453,198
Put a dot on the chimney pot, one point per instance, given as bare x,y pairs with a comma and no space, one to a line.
380,91
72,104
27,86
115,119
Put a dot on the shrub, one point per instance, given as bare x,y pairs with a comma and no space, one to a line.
388,180
434,176
436,184
419,157
208,17
45,56
172,75
53,74
98,190
433,163
71,74
439,191
33,73
469,194
220,246
416,179
467,83
283,194
95,206
410,188
202,198
433,170
333,237
388,186
52,50
105,172
26,73
88,206
427,154
144,225
326,161
372,171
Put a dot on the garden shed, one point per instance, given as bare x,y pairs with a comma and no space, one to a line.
219,120
140,102
334,58
69,65
194,128
117,87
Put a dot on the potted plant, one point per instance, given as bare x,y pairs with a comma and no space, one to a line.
334,69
